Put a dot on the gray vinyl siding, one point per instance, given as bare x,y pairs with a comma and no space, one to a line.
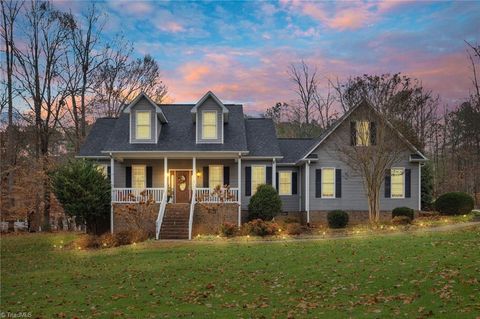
209,105
157,171
290,203
201,163
144,105
353,194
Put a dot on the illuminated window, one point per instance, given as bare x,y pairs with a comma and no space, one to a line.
258,177
209,125
139,176
397,180
103,169
285,183
363,133
215,176
143,125
328,183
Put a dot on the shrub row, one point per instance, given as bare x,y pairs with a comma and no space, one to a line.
109,240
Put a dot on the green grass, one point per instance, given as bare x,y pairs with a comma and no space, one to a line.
406,276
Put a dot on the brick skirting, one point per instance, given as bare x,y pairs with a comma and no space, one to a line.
208,218
145,220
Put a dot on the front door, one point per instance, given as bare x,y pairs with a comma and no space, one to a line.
182,187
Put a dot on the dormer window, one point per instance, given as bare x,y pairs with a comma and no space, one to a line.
209,125
143,129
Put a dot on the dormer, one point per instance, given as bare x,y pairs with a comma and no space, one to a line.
146,120
209,115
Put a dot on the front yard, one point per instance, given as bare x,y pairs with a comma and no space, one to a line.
408,275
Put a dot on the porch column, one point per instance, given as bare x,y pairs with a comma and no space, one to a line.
274,173
307,190
165,174
112,176
419,186
194,179
239,179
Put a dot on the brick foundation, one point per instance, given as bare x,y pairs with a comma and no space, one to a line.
142,219
208,218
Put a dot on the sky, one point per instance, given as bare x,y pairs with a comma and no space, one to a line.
241,50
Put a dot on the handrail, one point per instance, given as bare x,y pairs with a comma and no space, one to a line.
161,213
134,195
207,195
190,220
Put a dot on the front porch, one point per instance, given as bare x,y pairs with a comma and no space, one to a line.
176,181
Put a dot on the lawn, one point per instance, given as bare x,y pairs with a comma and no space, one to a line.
407,275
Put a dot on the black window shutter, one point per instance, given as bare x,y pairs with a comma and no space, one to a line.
338,183
149,176
226,175
387,184
318,183
128,176
269,175
408,183
109,173
205,176
373,133
353,133
276,181
248,181
294,183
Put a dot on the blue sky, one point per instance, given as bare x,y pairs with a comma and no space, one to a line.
241,50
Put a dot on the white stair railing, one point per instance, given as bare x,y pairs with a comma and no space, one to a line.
161,213
190,220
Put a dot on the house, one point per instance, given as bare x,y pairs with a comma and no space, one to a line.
178,153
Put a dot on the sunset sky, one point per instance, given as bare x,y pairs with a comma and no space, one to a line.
241,50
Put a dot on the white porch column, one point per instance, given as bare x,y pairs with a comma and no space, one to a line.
419,186
165,174
194,179
307,190
112,184
239,181
274,174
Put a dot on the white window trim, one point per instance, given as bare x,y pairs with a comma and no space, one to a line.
279,184
144,175
223,181
149,124
403,169
253,191
216,125
334,183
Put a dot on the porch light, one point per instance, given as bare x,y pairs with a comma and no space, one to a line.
199,174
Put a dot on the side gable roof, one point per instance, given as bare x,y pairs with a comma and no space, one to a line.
329,131
261,138
293,149
158,109
97,138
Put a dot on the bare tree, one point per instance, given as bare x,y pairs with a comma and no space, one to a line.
120,78
325,105
305,81
37,72
10,10
374,149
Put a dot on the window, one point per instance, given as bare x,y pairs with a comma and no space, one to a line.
285,183
397,180
102,168
258,177
143,125
209,125
215,176
363,133
139,176
328,183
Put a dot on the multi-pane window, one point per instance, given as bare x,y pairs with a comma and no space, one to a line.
139,176
215,176
397,180
258,177
209,125
103,169
285,183
328,182
363,133
143,125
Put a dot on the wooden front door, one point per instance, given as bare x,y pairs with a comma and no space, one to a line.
182,186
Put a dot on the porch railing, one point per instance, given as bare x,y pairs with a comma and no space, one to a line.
224,195
135,195
161,213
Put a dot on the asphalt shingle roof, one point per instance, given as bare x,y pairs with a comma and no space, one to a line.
261,137
293,149
96,139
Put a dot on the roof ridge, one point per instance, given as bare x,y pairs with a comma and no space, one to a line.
296,138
